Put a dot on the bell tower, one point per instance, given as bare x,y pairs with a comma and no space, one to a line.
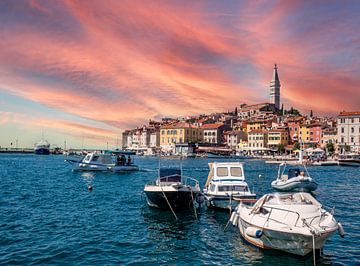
275,89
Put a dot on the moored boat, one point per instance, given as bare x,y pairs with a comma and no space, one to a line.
95,161
172,191
294,181
349,160
226,185
295,223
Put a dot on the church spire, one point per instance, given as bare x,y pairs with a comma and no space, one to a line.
275,88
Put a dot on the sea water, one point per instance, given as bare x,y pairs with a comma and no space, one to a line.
48,216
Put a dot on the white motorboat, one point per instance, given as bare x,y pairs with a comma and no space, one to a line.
349,160
226,185
295,180
172,191
95,161
294,223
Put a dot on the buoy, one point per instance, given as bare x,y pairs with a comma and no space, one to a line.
234,218
341,230
260,176
90,188
254,232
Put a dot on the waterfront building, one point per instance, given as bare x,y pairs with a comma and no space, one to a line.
304,134
329,135
213,133
275,89
181,132
294,124
258,140
315,133
141,138
234,137
348,128
277,137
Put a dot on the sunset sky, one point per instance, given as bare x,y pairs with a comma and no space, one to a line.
83,71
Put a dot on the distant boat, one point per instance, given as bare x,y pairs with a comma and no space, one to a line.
349,160
42,148
95,161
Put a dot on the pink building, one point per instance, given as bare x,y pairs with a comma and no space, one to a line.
315,133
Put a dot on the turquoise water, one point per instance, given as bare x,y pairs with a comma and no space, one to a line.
47,216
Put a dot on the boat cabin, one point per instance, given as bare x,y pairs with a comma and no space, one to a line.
169,176
95,158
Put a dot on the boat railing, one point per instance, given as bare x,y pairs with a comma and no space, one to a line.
165,181
304,220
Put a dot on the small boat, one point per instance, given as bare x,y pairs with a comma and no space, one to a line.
95,161
349,160
294,223
42,148
226,185
172,191
294,180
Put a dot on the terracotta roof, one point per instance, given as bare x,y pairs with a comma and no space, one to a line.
177,125
211,126
349,113
278,130
257,131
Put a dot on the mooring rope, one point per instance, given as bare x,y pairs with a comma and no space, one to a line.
193,203
313,239
168,203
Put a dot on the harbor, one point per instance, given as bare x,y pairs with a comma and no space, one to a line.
113,223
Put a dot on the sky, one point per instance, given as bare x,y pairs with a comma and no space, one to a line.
83,71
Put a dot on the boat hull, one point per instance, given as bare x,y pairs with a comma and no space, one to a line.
349,162
107,168
178,198
42,151
295,186
293,243
223,202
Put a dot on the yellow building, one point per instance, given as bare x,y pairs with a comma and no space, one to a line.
277,137
179,133
304,135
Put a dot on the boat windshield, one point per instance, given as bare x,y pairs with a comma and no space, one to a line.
289,199
293,172
233,188
236,171
222,171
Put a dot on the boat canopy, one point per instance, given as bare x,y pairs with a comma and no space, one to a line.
170,175
229,171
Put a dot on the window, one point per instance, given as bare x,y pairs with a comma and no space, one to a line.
222,171
162,132
162,139
342,130
352,130
352,139
236,171
342,140
168,132
352,120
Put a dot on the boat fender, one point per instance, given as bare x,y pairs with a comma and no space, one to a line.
254,232
341,230
236,220
200,199
233,217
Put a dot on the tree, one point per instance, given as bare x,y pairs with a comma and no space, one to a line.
330,148
281,148
296,146
236,111
311,113
347,148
